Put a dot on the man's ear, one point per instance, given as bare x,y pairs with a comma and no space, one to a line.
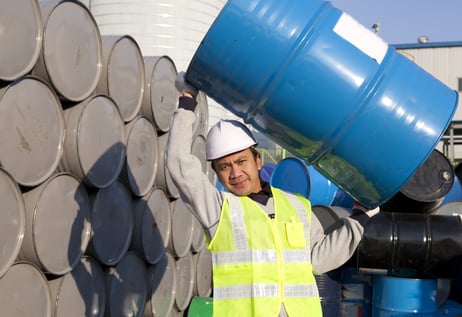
258,160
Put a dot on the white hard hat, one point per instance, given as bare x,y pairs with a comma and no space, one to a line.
227,137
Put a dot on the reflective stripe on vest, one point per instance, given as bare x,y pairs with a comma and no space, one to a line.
264,290
259,256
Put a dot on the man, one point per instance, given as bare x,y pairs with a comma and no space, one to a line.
266,244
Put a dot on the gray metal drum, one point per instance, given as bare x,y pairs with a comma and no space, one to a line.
12,221
152,225
112,224
162,287
24,292
31,130
81,292
163,177
203,276
94,147
198,236
182,228
160,95
126,287
185,275
123,76
71,55
142,156
20,39
58,225
202,115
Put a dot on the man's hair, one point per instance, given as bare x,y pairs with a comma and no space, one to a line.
255,153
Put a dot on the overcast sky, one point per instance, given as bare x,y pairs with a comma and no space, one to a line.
403,21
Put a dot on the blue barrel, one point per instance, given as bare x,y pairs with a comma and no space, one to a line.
356,293
343,199
455,194
397,296
327,89
291,174
266,171
329,292
323,191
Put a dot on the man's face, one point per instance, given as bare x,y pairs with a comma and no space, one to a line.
238,172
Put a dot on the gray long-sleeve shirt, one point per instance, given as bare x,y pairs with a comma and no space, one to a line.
328,252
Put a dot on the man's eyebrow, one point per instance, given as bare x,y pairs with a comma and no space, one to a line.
240,157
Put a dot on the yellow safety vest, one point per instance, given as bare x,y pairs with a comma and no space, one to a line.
260,263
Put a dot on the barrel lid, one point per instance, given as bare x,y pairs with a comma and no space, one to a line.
201,307
153,225
24,288
127,287
21,38
72,50
80,292
112,223
99,159
182,230
185,274
123,76
58,224
13,220
32,130
160,96
203,276
292,175
162,280
142,155
432,180
427,187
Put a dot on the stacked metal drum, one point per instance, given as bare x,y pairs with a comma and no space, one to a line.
92,224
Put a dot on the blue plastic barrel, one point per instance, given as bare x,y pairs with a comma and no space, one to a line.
327,89
322,190
266,171
343,199
291,174
329,292
397,296
455,194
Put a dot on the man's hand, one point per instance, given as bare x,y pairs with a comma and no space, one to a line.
184,87
357,207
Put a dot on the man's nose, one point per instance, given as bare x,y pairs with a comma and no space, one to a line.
235,172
